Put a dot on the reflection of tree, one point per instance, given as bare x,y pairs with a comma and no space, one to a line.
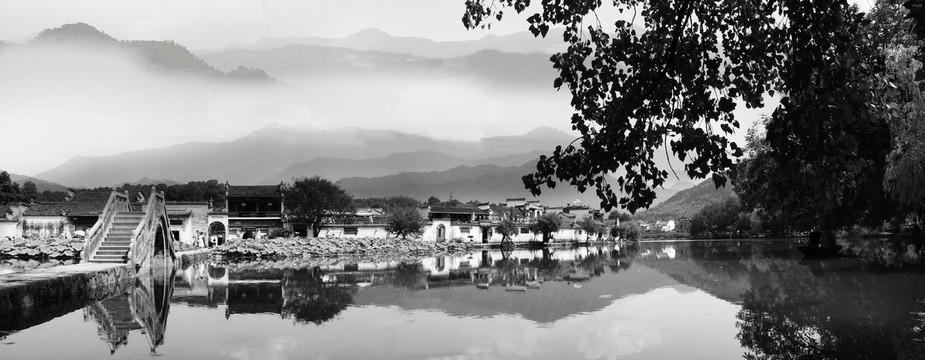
594,264
409,276
622,258
307,298
770,334
791,313
888,253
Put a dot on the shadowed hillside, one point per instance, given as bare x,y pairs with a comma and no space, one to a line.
686,203
484,183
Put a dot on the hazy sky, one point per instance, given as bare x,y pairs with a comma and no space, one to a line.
61,104
209,24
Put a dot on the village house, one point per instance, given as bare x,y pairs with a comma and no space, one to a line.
189,219
667,225
444,223
362,223
67,219
9,225
522,211
250,211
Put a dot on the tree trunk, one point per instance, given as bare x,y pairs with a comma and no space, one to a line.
828,239
316,229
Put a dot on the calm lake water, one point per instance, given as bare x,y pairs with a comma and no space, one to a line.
682,300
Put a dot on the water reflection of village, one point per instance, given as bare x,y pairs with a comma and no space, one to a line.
789,307
317,292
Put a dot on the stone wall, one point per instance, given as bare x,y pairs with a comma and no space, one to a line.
39,295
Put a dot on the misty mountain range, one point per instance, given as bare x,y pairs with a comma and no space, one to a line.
269,155
366,162
161,55
380,41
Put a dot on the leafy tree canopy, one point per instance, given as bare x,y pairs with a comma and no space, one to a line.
506,228
546,224
389,204
405,222
673,84
311,199
29,191
9,190
593,228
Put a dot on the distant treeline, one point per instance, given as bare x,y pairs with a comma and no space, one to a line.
191,191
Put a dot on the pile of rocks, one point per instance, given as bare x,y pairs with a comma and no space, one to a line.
55,248
329,247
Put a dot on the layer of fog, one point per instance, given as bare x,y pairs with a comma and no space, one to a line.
59,102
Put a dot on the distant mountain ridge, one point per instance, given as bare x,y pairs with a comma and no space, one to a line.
40,185
312,61
271,150
161,55
490,183
378,40
425,160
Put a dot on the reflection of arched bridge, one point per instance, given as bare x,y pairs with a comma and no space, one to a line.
130,233
145,307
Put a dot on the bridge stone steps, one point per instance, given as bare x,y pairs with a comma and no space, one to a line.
117,242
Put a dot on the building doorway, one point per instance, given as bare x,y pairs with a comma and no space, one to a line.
441,233
217,229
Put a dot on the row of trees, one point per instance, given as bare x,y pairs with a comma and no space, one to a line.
11,192
209,190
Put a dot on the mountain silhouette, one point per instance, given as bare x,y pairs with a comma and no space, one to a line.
272,150
161,55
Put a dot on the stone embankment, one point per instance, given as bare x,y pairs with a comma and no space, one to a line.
74,284
324,247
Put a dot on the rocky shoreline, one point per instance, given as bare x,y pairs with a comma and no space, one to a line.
330,247
26,249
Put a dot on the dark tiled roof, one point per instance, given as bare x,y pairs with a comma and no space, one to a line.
456,210
69,207
254,190
172,202
178,212
91,196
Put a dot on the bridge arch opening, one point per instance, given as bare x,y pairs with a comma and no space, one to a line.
160,242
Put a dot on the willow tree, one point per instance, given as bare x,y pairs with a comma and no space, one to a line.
668,76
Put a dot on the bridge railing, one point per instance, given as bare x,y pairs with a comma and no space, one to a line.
145,234
117,202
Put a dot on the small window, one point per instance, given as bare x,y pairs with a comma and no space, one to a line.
464,229
524,231
351,231
176,222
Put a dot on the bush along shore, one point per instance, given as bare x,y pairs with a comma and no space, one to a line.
57,248
324,247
